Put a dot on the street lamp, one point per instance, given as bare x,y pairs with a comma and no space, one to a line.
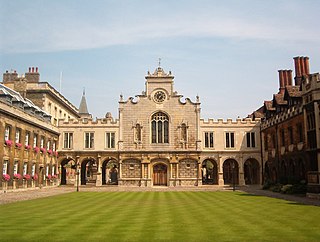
78,173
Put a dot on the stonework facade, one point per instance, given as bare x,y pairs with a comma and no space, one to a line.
159,139
28,143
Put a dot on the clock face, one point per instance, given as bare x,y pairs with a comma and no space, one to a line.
159,96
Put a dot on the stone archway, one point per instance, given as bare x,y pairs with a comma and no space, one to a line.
88,171
251,172
209,172
68,172
110,172
230,171
160,174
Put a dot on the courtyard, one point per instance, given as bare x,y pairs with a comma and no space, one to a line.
155,215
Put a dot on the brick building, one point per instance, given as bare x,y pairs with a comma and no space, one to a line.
290,128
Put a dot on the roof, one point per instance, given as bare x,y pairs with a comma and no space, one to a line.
278,99
268,106
16,97
293,91
83,109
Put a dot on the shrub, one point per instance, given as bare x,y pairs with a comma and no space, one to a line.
8,143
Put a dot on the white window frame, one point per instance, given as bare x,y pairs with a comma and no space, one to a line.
53,170
25,168
33,169
110,140
47,170
90,143
229,145
15,167
67,140
54,146
250,140
207,139
5,167
26,140
35,140
7,133
18,134
42,142
48,145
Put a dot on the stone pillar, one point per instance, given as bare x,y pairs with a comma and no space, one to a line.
241,173
120,169
99,176
220,167
199,176
78,171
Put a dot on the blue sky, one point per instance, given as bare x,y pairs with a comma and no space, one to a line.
227,52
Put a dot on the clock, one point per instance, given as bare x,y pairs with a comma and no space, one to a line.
159,96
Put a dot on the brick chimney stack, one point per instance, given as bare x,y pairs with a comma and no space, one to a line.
9,76
285,79
33,75
301,65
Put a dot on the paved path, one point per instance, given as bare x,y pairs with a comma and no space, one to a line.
10,197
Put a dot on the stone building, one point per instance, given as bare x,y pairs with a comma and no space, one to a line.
28,143
290,128
42,94
159,139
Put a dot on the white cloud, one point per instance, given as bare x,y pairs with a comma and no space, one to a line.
39,34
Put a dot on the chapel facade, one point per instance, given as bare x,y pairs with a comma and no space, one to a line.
159,139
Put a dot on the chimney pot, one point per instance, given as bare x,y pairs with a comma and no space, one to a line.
29,69
32,69
37,69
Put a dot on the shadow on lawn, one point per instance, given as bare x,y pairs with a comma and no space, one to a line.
248,195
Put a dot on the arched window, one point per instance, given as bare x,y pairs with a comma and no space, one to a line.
159,128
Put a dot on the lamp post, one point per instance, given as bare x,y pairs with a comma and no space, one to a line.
233,175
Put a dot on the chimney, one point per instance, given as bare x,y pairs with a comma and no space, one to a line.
301,65
281,82
32,76
9,76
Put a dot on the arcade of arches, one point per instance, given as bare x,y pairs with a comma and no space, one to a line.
158,172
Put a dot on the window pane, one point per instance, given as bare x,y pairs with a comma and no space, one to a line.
112,140
232,140
166,132
248,140
253,139
154,132
211,139
227,140
160,132
206,140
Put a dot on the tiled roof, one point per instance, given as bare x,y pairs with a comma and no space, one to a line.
278,99
16,97
268,106
293,91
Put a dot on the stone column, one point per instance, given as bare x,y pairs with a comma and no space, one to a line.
99,176
78,171
199,176
220,170
241,173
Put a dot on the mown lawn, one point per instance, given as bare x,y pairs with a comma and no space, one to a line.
158,216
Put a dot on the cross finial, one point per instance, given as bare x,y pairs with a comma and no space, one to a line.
84,91
159,62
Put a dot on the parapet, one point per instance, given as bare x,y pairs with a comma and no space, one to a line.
229,121
89,122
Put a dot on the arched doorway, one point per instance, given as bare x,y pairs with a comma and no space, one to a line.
251,172
160,175
68,172
88,171
209,171
110,172
230,171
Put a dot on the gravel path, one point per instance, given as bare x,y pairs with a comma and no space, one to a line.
14,196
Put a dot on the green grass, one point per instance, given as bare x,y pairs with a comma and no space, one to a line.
158,216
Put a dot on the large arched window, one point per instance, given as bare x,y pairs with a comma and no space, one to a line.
159,128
